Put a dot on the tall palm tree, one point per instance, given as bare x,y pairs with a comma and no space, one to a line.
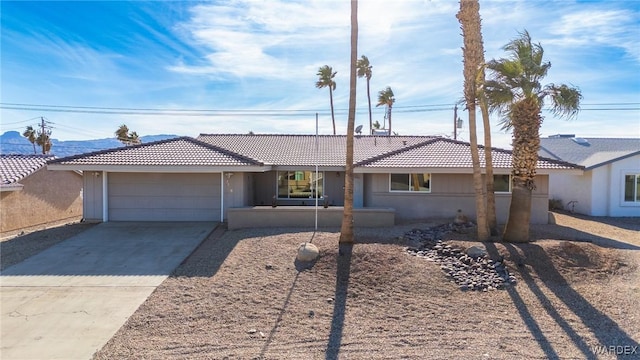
364,70
386,98
30,134
325,79
515,92
346,230
472,59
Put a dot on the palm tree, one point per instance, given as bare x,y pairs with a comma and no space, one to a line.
30,134
134,138
326,75
515,92
385,97
364,70
472,59
44,141
346,230
124,136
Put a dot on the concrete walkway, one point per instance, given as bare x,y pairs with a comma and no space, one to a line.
69,300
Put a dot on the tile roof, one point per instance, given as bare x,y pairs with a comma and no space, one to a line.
14,168
299,150
446,153
589,152
181,151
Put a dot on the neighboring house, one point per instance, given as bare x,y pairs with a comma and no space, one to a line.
206,179
610,184
30,195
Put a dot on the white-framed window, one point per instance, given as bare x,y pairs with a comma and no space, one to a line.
414,182
632,188
300,184
502,183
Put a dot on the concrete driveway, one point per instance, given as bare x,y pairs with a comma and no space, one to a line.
69,300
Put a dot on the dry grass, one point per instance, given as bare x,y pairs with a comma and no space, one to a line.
240,296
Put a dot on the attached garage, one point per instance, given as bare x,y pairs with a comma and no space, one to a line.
164,197
179,179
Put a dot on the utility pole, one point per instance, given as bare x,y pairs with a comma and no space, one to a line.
455,122
44,136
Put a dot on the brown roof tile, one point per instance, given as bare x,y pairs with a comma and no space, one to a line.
299,150
446,153
182,151
13,168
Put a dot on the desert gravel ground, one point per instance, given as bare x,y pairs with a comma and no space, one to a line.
240,296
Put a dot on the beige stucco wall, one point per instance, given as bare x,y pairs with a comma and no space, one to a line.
47,197
449,192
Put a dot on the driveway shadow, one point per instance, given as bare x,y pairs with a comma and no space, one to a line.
208,257
603,327
340,301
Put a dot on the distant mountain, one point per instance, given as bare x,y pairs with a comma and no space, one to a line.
12,142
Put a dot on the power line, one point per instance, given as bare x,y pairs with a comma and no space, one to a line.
19,122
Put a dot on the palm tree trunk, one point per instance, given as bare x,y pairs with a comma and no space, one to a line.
526,120
517,228
469,17
333,118
346,230
390,106
369,100
492,220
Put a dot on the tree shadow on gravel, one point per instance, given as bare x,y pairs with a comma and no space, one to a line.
207,258
340,301
604,328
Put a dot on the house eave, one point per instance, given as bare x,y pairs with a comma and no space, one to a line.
161,168
11,187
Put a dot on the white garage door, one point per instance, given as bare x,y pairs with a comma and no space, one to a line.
164,197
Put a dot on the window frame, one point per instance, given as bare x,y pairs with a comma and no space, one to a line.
510,184
410,185
292,175
635,189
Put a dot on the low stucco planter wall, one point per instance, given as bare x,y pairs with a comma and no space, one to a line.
304,216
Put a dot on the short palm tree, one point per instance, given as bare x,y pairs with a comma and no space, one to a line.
44,140
514,91
325,79
30,134
124,136
364,70
386,98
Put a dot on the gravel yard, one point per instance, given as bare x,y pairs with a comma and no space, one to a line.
241,296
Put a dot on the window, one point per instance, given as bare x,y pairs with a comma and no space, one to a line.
410,182
632,188
300,184
502,183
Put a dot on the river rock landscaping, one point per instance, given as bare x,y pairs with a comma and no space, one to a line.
470,269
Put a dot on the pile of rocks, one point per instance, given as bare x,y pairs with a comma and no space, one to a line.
471,269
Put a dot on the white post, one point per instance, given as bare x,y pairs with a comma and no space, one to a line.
105,197
222,196
316,179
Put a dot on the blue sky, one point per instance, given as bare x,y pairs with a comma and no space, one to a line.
240,66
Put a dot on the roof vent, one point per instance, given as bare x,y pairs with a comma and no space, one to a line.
581,141
560,136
